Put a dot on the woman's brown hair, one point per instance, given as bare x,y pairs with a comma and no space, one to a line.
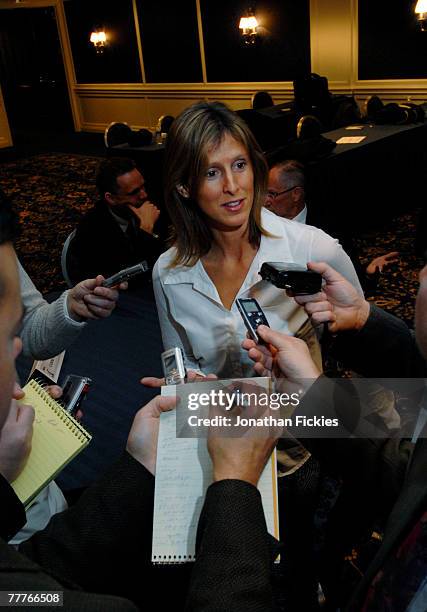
194,132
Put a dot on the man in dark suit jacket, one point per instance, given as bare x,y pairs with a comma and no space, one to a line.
98,551
388,474
118,231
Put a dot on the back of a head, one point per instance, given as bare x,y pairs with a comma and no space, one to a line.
9,221
108,172
165,122
261,99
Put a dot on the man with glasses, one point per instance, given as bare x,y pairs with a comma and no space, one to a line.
286,191
118,231
286,198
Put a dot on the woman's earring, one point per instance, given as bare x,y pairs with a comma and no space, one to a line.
183,191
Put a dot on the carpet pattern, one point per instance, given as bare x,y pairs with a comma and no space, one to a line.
52,191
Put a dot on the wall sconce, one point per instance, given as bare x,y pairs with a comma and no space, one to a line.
99,39
248,24
421,12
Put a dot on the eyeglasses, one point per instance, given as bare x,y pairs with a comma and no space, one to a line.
275,194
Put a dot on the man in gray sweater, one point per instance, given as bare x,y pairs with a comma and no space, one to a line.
48,329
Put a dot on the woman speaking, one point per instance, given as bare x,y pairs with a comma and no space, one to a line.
215,189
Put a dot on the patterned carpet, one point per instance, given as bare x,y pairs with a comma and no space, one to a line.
51,191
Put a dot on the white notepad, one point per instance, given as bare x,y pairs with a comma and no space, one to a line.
183,474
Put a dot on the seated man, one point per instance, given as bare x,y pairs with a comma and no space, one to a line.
118,231
286,197
387,475
89,551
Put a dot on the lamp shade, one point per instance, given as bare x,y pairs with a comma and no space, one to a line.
421,6
250,22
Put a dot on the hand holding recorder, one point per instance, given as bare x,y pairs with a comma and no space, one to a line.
90,299
339,303
125,275
175,372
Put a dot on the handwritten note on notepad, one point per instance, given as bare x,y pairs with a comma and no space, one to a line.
183,474
57,438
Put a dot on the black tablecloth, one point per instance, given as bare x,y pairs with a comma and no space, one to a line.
361,186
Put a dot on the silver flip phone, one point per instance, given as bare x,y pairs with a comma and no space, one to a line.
173,366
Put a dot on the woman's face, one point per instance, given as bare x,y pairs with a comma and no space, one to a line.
226,191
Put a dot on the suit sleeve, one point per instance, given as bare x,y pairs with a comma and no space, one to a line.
95,542
384,348
232,570
13,518
375,466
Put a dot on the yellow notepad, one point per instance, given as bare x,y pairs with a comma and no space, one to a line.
57,438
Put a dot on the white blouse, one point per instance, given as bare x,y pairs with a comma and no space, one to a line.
193,317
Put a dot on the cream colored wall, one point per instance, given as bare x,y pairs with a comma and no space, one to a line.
5,136
333,33
334,53
331,41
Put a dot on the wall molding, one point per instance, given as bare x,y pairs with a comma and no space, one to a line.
180,89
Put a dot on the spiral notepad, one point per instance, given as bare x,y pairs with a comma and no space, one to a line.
183,474
57,439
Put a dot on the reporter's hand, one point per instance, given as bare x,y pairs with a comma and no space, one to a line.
54,391
262,354
290,355
144,433
240,458
88,300
338,304
18,392
382,262
15,440
192,376
147,215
